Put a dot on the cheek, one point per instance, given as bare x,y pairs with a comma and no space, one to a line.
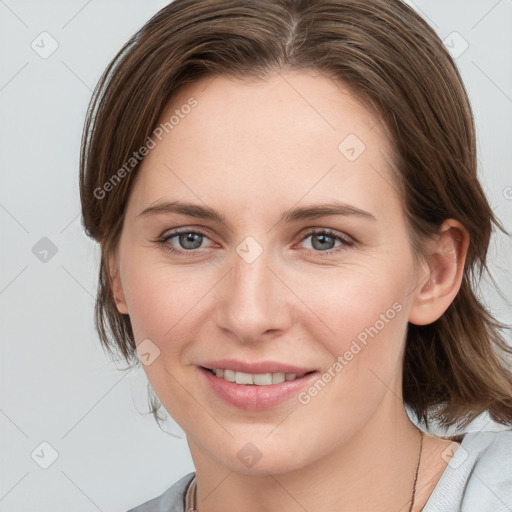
367,317
369,327
161,303
159,298
357,300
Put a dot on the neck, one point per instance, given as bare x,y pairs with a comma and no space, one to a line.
372,470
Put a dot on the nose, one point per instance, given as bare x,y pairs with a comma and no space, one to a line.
254,302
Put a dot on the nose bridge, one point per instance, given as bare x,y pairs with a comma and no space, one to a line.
252,300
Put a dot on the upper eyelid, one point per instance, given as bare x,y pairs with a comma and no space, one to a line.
179,231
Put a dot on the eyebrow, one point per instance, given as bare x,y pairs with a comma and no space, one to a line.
292,215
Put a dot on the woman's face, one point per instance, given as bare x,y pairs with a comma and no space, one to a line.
252,287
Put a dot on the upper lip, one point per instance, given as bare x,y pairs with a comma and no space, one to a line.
256,367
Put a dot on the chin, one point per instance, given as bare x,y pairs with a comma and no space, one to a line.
274,466
261,458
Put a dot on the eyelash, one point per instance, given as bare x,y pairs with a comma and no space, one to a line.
164,241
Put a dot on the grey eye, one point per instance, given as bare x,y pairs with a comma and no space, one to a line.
322,241
190,240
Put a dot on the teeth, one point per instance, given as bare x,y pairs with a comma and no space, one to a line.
277,378
228,375
260,379
243,378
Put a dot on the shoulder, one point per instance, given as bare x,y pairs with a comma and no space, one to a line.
172,500
478,475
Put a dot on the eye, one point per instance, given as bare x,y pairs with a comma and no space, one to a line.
322,241
189,241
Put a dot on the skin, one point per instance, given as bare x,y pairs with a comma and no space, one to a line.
252,151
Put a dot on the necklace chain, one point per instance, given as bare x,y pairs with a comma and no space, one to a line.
413,492
191,495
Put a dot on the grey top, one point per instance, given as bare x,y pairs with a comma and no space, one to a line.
478,478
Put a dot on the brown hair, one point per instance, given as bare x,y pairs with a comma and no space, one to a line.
458,366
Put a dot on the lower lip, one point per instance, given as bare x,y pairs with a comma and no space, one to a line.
256,398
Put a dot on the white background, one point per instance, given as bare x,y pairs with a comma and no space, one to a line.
57,385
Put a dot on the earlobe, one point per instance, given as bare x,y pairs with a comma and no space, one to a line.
116,285
445,271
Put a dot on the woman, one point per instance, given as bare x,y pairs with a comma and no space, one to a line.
291,225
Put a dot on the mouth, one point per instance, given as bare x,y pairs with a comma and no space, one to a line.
255,391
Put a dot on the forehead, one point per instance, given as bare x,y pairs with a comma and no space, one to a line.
297,135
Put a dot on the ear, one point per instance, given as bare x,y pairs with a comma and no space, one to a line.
116,285
447,255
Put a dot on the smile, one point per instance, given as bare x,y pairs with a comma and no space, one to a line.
254,391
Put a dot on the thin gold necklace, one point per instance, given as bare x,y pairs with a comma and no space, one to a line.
191,496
